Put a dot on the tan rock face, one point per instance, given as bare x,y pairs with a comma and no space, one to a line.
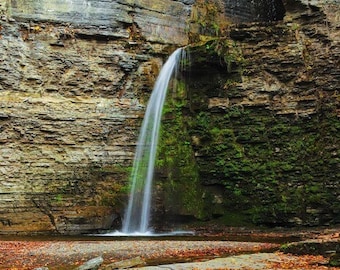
157,21
73,88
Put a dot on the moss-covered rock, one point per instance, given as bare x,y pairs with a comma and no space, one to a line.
260,122
176,165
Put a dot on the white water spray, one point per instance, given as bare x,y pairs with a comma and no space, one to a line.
137,215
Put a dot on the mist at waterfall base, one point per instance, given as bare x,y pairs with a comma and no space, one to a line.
136,220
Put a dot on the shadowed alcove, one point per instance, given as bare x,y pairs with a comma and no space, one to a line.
254,11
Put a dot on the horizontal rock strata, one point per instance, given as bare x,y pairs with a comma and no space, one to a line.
75,78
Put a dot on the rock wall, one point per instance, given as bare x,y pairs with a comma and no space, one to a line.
252,11
262,116
75,78
161,21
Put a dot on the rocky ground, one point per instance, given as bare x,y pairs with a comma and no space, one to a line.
255,261
219,251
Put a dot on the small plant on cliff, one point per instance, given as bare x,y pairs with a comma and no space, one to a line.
230,52
208,16
227,50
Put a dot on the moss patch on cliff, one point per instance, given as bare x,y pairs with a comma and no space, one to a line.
273,168
110,185
176,164
265,139
207,18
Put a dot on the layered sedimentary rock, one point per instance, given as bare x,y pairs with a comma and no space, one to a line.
75,78
252,11
161,21
262,116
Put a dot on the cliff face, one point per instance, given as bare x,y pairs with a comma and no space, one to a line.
262,117
160,21
75,77
73,89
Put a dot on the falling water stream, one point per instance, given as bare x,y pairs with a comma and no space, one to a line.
137,215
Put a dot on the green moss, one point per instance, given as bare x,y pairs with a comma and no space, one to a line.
207,18
225,51
234,219
113,196
58,199
110,184
175,160
111,169
271,168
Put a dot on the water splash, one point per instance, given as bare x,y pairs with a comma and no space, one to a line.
137,216
147,234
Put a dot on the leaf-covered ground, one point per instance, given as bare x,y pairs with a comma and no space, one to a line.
68,253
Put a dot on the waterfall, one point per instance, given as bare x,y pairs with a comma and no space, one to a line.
137,214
